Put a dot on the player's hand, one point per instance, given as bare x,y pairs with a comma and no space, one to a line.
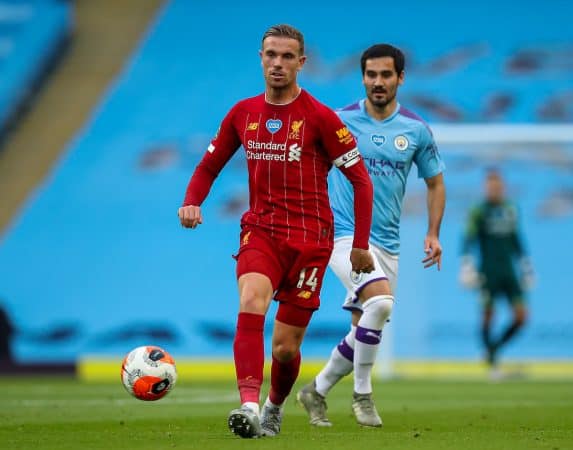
190,216
361,260
527,273
469,276
433,250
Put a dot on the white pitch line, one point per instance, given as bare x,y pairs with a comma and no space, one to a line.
223,398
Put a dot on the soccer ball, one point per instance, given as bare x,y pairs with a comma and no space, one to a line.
148,372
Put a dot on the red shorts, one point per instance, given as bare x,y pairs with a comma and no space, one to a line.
295,269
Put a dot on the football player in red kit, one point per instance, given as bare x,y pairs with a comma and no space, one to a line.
290,141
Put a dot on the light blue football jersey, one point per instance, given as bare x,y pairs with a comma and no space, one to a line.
388,147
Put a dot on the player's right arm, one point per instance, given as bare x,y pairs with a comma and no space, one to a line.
220,150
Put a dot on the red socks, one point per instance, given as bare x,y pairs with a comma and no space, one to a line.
249,353
283,376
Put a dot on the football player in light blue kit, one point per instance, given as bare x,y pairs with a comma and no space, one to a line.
390,139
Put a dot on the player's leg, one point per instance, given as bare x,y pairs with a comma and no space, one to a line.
519,318
312,396
290,326
376,300
377,303
384,363
487,318
340,363
255,294
487,294
248,348
514,294
256,270
343,358
299,296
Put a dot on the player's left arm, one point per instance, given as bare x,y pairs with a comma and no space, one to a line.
430,167
341,148
357,174
526,271
436,203
516,235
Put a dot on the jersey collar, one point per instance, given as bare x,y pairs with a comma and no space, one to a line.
362,104
283,104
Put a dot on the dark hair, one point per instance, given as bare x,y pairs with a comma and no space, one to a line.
382,50
284,30
493,172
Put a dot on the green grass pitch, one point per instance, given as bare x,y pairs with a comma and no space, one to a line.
56,413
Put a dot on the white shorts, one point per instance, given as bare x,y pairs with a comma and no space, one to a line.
385,268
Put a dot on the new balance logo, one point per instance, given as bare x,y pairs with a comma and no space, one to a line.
294,152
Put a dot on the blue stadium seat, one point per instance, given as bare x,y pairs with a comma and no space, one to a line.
32,32
98,249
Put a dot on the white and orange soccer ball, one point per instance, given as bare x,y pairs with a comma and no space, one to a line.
148,372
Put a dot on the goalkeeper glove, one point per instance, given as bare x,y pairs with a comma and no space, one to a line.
527,273
469,276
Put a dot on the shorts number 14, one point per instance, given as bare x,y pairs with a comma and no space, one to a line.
311,281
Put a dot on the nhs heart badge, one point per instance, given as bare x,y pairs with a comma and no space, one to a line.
378,139
274,125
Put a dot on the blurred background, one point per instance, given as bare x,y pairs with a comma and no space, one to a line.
106,107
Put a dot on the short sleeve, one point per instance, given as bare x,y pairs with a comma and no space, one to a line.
427,157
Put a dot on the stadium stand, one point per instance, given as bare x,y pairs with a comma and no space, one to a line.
32,36
101,240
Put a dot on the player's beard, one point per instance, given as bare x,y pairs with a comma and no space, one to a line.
281,84
381,104
278,86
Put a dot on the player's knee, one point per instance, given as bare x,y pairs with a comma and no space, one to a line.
379,308
487,316
255,292
285,351
520,316
252,302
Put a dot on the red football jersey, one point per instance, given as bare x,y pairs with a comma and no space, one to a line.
289,149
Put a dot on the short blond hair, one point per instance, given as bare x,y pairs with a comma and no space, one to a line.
284,30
